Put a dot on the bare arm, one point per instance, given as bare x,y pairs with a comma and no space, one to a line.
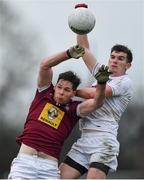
45,71
102,76
88,57
83,41
90,92
86,93
90,105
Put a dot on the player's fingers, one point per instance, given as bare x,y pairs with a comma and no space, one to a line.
106,68
101,68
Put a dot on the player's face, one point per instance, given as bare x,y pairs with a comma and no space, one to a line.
118,63
63,91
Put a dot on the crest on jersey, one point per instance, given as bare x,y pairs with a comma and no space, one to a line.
51,115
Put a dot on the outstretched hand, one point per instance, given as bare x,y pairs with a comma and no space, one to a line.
102,76
75,52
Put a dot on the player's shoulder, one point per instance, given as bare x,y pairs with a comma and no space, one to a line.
127,83
121,82
127,80
123,78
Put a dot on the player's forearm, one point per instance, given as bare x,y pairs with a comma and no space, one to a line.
99,95
86,93
83,41
88,57
54,60
73,52
91,105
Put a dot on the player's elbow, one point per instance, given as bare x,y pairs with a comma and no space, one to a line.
44,65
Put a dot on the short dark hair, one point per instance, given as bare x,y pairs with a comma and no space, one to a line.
71,77
125,49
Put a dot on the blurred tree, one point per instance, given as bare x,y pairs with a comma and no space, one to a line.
18,57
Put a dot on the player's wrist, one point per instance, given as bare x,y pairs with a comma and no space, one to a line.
68,53
102,83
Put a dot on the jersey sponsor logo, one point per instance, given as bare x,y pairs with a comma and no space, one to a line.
51,115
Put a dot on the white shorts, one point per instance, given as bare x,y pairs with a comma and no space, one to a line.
33,167
98,147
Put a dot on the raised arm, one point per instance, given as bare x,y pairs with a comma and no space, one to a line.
90,105
88,57
90,92
45,71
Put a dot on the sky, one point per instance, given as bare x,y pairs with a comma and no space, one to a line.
117,21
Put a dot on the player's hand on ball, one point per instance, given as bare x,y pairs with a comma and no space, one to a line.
75,52
102,76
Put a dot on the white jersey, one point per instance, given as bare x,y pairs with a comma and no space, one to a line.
108,116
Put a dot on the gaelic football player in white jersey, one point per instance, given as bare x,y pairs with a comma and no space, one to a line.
96,151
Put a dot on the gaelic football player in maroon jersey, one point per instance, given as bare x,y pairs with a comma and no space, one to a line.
51,117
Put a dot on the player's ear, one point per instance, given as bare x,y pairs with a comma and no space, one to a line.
74,92
128,66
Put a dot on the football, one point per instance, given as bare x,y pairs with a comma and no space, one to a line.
81,20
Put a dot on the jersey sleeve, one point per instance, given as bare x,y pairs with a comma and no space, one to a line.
121,86
95,68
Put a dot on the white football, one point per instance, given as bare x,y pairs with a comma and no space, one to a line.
81,20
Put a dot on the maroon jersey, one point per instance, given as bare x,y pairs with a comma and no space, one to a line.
48,125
